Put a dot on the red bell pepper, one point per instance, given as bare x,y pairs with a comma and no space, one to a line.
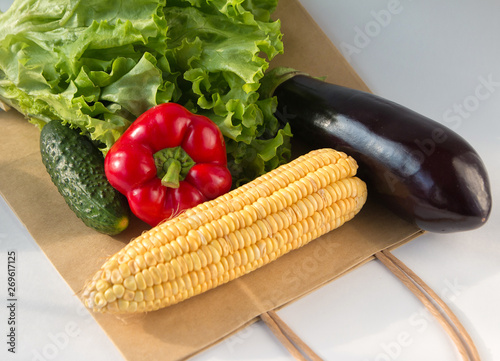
167,161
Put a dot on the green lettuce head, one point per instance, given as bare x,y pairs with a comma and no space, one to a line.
98,65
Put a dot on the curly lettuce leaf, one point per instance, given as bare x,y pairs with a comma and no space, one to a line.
98,65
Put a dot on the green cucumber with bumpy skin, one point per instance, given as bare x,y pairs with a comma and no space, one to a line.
76,167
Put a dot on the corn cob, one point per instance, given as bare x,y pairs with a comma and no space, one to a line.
240,231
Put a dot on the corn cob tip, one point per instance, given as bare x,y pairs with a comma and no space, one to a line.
230,236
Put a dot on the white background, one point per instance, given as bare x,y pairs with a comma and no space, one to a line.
427,55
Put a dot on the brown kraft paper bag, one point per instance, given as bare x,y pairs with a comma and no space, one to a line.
189,327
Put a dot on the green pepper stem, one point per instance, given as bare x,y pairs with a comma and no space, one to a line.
171,177
172,164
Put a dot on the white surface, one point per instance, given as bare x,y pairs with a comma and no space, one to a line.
430,56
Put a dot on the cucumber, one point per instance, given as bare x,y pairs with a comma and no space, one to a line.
76,167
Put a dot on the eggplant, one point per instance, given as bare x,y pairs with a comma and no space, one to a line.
420,169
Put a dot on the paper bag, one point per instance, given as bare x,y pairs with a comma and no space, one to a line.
182,330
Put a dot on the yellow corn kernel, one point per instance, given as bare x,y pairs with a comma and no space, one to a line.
155,275
109,295
139,296
162,271
183,244
116,276
112,307
165,253
139,247
225,238
157,255
118,290
159,292
149,294
140,281
128,295
123,305
148,278
124,270
102,285
141,306
133,267
193,239
99,300
176,267
170,271
150,259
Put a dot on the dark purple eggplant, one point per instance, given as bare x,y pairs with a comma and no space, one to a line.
422,170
